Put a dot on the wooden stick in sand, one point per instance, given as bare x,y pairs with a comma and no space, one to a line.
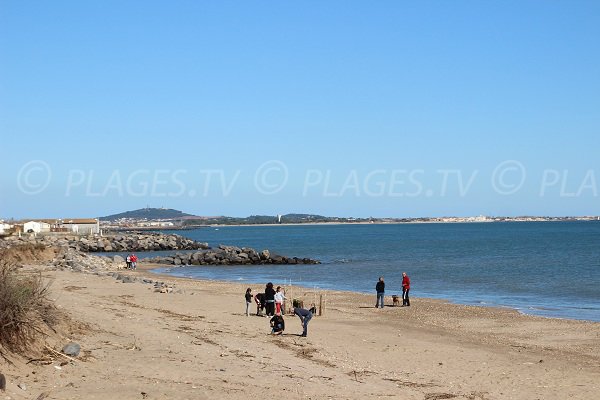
59,353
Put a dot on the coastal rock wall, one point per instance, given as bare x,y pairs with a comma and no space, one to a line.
140,242
111,243
76,247
229,255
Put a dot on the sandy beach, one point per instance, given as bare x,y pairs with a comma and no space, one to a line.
197,343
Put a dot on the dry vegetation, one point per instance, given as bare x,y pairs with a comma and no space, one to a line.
26,313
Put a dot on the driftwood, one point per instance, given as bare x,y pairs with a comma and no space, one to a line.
59,353
43,395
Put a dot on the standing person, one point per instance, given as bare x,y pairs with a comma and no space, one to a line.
279,298
248,301
128,261
270,299
405,289
380,288
305,317
133,261
260,303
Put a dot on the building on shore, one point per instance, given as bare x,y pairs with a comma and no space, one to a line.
36,227
78,226
5,228
81,226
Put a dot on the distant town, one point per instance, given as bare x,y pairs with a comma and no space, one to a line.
167,219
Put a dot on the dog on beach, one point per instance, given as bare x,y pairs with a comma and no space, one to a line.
396,300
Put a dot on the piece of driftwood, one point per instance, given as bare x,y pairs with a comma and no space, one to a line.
59,353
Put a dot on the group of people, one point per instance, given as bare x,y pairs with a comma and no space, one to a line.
380,289
131,261
272,302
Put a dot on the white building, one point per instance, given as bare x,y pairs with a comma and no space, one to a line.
82,226
4,228
36,227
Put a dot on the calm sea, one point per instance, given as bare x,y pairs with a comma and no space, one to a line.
548,268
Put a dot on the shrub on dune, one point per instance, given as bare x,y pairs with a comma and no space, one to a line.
25,310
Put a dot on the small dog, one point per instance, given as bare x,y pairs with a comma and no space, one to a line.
396,300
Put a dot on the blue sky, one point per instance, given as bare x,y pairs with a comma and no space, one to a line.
387,108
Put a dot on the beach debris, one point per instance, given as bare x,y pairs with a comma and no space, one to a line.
161,287
43,395
22,386
71,349
2,382
60,354
134,346
144,395
439,396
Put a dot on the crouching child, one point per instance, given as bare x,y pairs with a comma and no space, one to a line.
277,325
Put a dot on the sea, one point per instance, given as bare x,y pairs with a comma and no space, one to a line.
549,269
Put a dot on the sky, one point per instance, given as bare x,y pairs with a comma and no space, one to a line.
339,108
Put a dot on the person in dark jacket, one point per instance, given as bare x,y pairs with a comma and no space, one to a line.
405,289
260,303
248,296
305,317
278,324
380,288
270,299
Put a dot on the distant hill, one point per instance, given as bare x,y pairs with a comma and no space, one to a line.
266,219
186,220
148,213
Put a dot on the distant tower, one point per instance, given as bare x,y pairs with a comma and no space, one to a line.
278,218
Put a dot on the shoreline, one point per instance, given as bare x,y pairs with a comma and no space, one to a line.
151,268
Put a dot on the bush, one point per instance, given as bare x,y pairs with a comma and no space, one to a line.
25,311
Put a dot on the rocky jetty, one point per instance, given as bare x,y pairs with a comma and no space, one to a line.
74,248
140,242
70,259
112,243
229,255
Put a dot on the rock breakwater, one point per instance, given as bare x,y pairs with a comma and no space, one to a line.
112,243
229,255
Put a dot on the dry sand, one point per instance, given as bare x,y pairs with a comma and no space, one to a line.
198,344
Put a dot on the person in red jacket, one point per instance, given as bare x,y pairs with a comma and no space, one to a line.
133,261
405,289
